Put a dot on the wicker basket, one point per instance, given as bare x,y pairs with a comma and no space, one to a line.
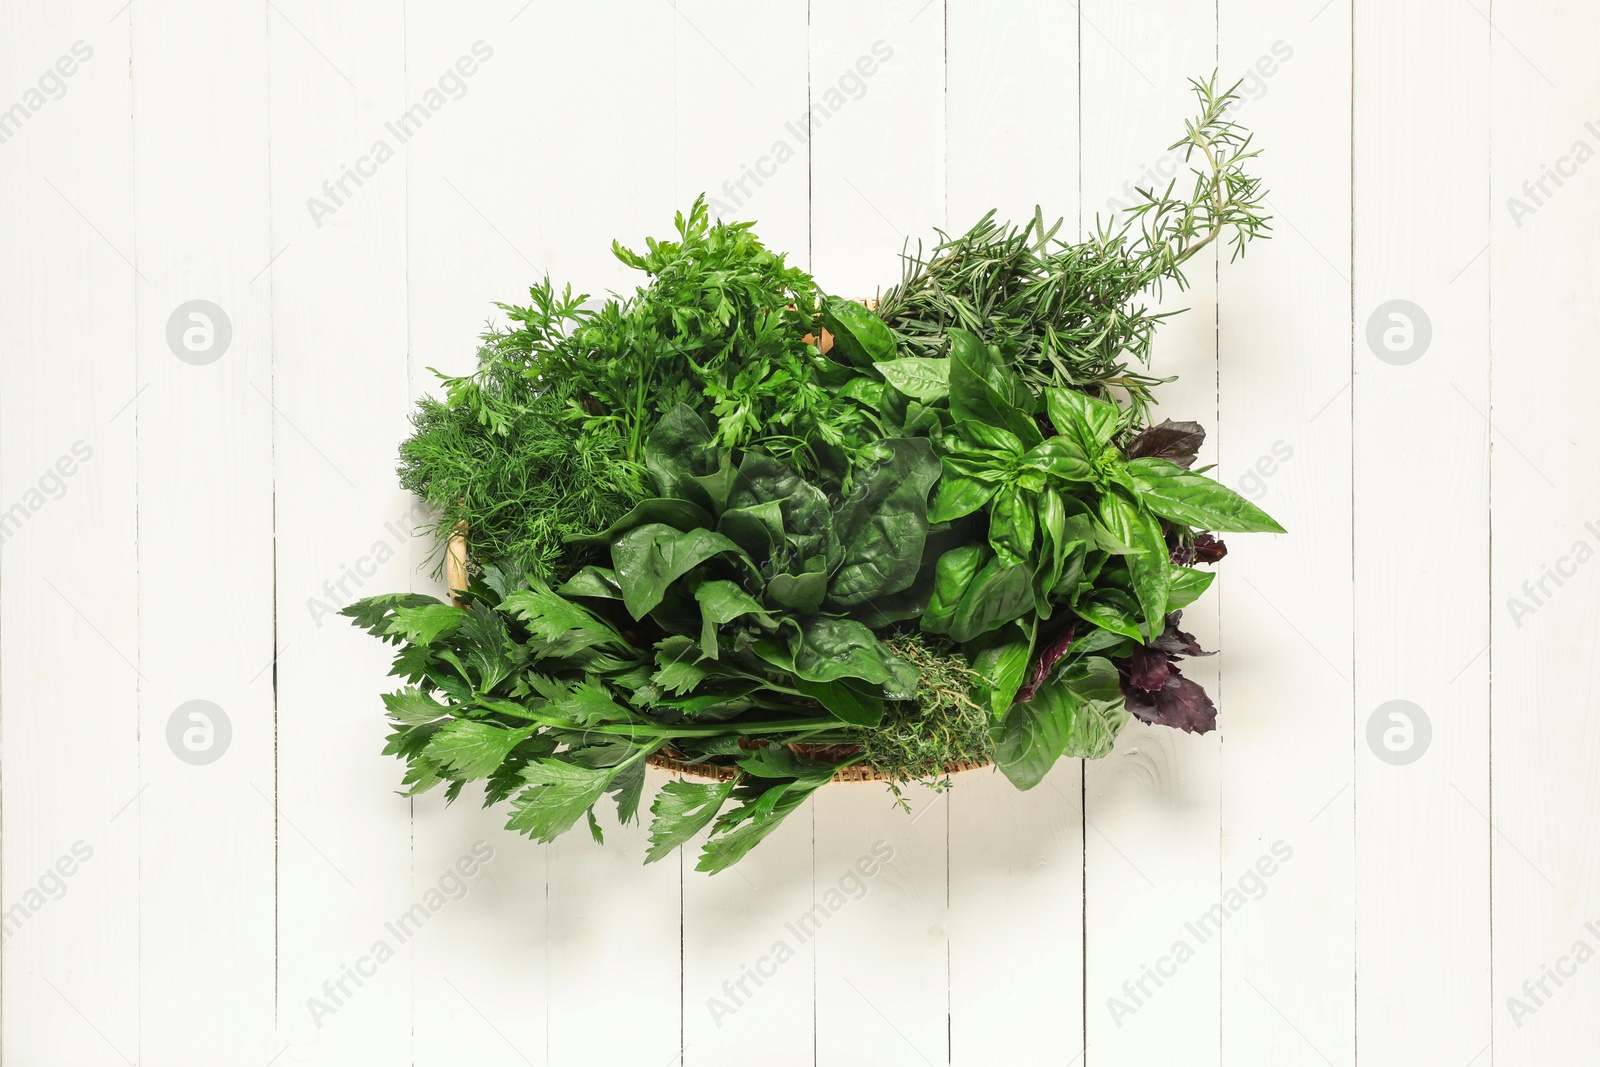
456,576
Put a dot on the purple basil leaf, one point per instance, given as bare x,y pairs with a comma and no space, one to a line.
1048,658
1175,442
1175,642
1148,668
1208,549
1181,704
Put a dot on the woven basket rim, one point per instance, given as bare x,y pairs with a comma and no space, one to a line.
854,773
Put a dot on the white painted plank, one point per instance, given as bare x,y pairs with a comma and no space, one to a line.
1284,333
342,528
1421,603
1016,859
205,446
740,96
1543,214
68,566
878,166
537,963
1152,806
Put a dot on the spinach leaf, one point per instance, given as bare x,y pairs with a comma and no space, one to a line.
883,524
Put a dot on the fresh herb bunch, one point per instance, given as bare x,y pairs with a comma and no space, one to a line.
1071,313
950,537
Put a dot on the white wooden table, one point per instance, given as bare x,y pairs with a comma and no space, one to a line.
1331,878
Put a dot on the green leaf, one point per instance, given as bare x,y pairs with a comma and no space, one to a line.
1109,613
1092,422
372,614
1195,500
958,495
680,669
1185,585
855,704
802,593
679,448
680,810
649,559
587,702
412,706
681,514
998,593
829,649
593,581
473,748
1061,457
722,601
1149,563
1012,523
1100,711
858,334
952,575
1033,735
985,392
920,377
1000,660
968,436
426,623
568,626
558,795
883,525
743,829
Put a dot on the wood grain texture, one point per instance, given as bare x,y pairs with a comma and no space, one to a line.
178,528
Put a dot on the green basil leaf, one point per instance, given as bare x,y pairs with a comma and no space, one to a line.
1000,660
1195,500
997,594
1033,734
958,495
983,391
968,436
1148,564
1093,422
1061,457
1185,586
1099,712
1012,523
1108,612
919,377
952,575
860,335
